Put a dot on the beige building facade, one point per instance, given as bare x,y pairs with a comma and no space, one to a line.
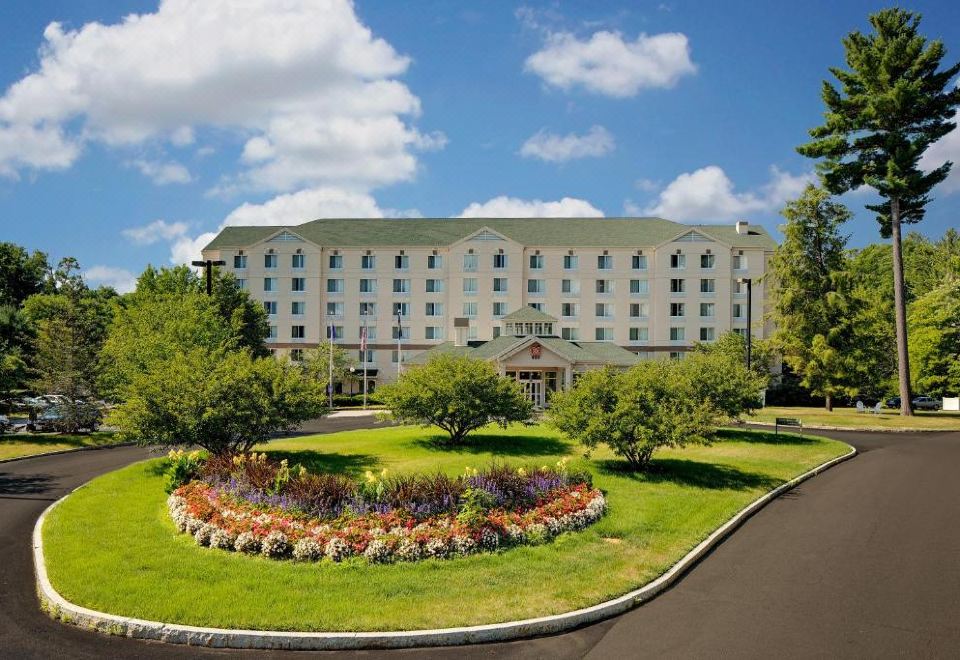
651,286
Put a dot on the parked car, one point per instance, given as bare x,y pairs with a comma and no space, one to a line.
5,424
926,403
79,416
892,402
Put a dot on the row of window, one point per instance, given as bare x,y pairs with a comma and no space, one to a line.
471,261
434,332
502,285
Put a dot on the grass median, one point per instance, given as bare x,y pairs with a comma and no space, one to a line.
112,547
20,445
888,419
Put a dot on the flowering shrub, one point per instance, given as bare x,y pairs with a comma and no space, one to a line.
255,506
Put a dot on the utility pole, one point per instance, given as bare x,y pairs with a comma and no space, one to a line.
208,266
749,283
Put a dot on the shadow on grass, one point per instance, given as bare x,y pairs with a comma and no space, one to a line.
765,437
315,461
501,445
691,473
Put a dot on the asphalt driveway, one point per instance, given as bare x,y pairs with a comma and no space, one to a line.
861,561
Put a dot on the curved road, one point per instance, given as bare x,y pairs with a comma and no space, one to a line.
861,561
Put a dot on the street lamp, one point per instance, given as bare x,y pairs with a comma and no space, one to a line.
749,283
208,266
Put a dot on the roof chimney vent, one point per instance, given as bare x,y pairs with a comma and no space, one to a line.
742,226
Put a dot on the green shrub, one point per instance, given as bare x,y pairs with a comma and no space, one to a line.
182,467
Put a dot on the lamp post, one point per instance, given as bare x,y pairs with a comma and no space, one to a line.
749,283
208,265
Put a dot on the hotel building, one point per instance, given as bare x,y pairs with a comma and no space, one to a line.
649,286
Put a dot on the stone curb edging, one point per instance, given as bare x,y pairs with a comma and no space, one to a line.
855,429
59,608
67,451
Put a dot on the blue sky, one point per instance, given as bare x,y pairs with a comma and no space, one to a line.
125,142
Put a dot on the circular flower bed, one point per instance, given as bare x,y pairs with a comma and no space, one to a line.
252,505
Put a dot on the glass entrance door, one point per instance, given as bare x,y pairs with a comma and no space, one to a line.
531,382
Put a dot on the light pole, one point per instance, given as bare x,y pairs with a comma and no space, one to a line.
208,266
749,283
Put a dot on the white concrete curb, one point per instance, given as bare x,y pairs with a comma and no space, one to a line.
59,608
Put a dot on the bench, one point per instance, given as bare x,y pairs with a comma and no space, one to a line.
787,421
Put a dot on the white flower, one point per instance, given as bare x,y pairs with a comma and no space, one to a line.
463,545
436,548
247,542
307,549
222,539
202,535
337,549
409,550
275,544
377,552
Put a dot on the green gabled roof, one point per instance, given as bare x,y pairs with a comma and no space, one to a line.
446,348
586,351
529,314
439,232
609,353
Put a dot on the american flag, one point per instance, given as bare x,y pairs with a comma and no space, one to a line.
363,340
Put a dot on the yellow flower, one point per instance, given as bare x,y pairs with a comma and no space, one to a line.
521,472
369,475
384,473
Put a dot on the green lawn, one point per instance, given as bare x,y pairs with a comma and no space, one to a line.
16,445
850,418
112,547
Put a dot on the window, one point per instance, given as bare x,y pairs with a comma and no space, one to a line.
336,331
270,307
496,331
298,308
537,287
297,332
269,284
368,309
604,334
334,309
470,309
708,261
678,333
639,310
707,334
738,311
741,331
401,262
368,285
296,354
333,286
604,311
272,334
434,309
368,262
536,305
605,286
639,287
678,286
678,261
401,286
739,262
536,261
570,334
336,261
571,287
470,286
708,286
707,309
499,284
269,261
677,309
400,332
571,262
500,261
239,261
469,263
569,310
740,288
639,262
433,332
300,284
676,355
499,309
472,332
639,334
365,356
241,283
434,261
394,356
401,309
434,286
371,332
604,262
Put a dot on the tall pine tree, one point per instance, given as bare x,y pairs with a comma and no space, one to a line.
893,103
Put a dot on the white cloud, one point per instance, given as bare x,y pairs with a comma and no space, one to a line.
120,279
944,149
560,148
162,173
607,64
511,207
304,81
185,249
158,230
707,195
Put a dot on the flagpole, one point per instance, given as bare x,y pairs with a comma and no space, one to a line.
363,356
330,334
